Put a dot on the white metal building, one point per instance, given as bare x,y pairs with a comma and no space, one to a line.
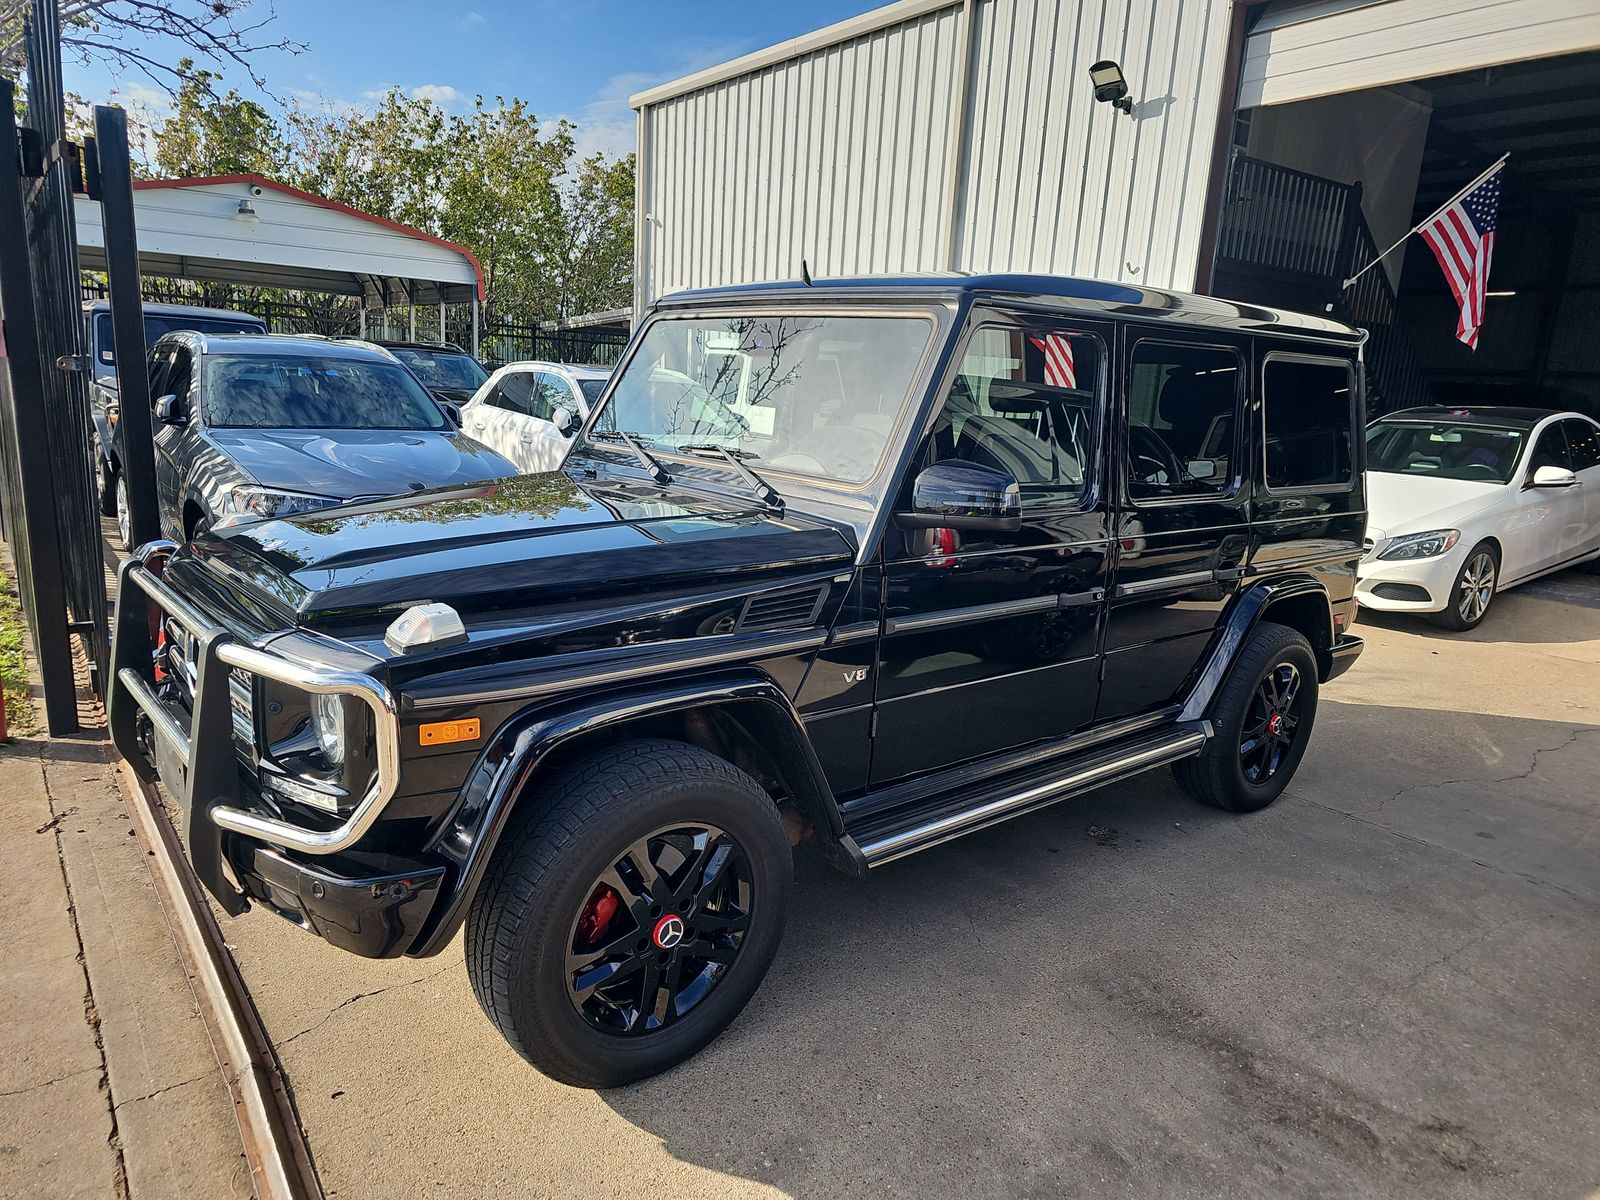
252,230
1270,143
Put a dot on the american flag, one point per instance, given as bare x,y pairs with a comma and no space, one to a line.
1058,369
1462,239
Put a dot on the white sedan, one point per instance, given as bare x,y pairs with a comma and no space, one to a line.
529,411
1464,503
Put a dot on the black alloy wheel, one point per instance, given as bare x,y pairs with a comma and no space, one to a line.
1262,716
660,930
632,908
1272,724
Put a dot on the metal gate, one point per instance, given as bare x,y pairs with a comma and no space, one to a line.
47,475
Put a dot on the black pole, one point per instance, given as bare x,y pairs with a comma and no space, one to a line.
127,322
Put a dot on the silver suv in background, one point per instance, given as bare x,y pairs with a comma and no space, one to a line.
159,319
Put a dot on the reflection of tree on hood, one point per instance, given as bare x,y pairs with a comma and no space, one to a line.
541,496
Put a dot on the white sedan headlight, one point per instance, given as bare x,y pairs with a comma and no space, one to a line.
1421,545
244,504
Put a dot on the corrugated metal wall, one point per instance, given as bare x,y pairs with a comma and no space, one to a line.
846,155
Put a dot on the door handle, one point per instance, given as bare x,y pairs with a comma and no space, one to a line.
1228,574
1079,599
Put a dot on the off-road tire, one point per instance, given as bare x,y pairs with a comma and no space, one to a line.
1451,616
1216,776
545,867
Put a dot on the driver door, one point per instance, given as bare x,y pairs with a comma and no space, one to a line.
990,638
171,441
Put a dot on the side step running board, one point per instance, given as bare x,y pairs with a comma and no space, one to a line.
997,803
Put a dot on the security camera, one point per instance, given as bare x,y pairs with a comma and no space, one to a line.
257,190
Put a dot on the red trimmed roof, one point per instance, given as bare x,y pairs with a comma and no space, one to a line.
323,202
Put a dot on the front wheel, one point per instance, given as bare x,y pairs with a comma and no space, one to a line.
628,918
1263,718
1472,592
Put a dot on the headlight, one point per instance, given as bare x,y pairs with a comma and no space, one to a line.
258,504
1421,545
327,722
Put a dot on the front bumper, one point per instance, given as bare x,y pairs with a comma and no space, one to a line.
1413,585
377,910
192,751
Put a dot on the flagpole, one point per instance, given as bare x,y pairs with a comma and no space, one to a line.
1500,162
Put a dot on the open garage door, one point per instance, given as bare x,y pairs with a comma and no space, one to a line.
1301,50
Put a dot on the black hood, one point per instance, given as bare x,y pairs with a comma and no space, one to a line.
511,544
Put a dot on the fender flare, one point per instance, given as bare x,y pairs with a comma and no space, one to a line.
467,836
1246,612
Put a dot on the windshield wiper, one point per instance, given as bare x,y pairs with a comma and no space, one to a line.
650,461
735,459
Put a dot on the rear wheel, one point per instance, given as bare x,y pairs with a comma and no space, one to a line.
1473,590
1263,718
630,916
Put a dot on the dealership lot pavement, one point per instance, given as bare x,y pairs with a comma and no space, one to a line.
1387,984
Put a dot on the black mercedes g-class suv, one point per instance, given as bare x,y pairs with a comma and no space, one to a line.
867,563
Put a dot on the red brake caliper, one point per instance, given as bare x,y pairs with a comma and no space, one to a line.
597,914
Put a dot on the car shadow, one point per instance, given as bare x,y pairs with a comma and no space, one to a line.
1378,980
1564,607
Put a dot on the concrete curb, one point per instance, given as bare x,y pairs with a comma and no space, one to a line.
280,1160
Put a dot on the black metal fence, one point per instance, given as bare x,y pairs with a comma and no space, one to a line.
504,341
46,461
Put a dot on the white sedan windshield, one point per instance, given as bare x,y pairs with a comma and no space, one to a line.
809,394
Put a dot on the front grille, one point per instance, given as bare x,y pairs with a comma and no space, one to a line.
783,610
1401,591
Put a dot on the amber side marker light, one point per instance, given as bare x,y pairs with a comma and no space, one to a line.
439,732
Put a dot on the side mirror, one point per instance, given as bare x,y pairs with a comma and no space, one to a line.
170,412
453,411
962,495
561,418
1553,477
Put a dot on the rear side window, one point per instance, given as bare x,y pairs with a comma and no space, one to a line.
514,392
1181,423
1309,411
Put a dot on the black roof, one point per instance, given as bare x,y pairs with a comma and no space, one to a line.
1494,416
274,345
1088,295
447,347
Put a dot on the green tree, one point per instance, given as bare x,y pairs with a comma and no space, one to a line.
216,134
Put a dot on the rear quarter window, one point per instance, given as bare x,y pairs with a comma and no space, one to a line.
1308,407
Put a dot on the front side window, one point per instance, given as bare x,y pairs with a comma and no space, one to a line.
311,392
1309,413
1550,450
1024,402
1583,443
1182,430
1445,449
553,394
813,395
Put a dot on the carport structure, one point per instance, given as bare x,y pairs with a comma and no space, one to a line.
247,229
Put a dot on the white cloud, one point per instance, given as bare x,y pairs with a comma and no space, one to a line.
472,20
606,125
439,93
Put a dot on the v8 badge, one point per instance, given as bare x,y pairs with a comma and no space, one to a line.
859,675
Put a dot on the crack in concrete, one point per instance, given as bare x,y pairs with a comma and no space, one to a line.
393,987
163,1090
44,1083
1538,754
91,1014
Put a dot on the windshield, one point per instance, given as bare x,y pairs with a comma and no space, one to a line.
306,392
592,388
1447,450
813,395
157,324
443,368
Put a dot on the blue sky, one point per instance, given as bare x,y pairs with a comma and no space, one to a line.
579,60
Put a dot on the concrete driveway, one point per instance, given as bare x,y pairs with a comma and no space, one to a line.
1388,984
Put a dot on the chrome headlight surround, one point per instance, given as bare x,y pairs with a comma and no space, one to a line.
313,748
244,504
1430,544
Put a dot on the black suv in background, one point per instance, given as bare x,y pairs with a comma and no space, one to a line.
870,563
444,368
